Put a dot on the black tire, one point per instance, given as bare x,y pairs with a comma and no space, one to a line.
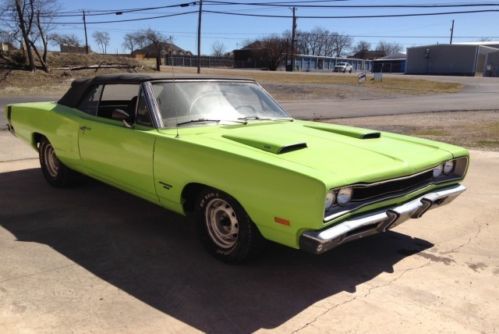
54,171
225,228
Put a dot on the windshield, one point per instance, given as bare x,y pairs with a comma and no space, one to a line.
188,102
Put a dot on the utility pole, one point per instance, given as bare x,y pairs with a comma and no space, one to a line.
293,38
451,32
200,3
85,27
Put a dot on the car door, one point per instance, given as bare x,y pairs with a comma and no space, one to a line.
113,152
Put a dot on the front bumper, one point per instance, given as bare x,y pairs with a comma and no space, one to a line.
318,242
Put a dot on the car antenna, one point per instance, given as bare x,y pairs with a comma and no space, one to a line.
174,93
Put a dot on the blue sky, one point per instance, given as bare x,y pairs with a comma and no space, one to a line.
232,31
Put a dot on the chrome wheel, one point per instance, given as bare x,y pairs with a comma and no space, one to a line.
222,223
51,162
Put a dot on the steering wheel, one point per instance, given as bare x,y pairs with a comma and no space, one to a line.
246,106
202,96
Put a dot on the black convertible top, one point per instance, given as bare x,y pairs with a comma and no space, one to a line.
79,86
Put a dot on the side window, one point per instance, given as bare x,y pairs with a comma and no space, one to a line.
143,115
118,96
90,102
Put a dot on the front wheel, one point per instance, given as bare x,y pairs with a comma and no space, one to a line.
225,228
54,171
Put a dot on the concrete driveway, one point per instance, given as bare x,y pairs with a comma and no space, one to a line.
93,259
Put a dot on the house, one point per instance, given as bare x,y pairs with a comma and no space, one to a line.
166,48
7,47
251,56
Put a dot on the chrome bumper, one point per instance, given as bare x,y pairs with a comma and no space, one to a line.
379,221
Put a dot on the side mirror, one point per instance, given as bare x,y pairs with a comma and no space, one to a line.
123,116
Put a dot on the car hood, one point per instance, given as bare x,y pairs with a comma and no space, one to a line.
327,151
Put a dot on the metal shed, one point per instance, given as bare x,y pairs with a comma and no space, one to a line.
446,59
492,64
390,64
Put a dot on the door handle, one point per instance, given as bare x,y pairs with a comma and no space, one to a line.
85,128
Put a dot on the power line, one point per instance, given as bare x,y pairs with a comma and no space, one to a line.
287,4
129,20
287,16
278,4
356,16
115,11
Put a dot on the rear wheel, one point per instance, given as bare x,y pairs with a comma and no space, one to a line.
225,228
54,171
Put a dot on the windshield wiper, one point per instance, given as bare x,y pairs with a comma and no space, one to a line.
207,120
246,118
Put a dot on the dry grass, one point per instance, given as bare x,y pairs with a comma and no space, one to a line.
18,82
57,59
390,83
473,129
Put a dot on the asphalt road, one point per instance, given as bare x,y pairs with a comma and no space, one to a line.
478,94
93,259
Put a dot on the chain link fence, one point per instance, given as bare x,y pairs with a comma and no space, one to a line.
192,61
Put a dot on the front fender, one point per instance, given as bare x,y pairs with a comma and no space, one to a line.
270,194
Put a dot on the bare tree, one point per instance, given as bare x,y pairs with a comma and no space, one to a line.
30,21
129,42
322,42
361,47
341,44
136,40
388,48
218,49
270,51
65,39
102,39
156,40
140,40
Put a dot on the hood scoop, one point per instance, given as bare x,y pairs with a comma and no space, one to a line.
272,145
358,133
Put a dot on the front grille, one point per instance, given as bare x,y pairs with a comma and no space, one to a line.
368,193
393,187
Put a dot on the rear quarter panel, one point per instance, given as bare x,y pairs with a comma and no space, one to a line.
59,124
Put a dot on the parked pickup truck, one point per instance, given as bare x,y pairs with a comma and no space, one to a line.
343,67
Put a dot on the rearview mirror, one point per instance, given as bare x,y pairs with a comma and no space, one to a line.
123,116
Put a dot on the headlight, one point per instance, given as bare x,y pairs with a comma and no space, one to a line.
448,166
329,201
344,195
437,171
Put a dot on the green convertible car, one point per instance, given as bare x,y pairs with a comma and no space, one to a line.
226,152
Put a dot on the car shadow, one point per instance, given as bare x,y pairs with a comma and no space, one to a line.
154,256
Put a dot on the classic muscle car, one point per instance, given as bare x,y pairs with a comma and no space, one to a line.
224,151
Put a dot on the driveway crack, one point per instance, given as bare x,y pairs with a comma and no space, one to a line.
369,291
